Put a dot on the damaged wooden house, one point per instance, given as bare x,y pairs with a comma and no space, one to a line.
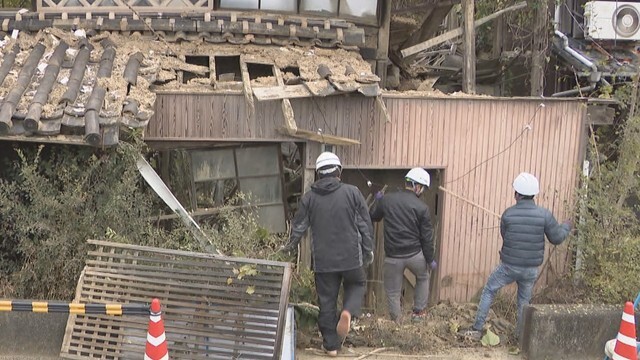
247,94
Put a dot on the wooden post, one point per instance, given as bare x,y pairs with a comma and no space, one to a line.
382,54
307,179
540,43
469,55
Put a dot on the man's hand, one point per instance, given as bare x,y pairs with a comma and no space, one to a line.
379,195
368,259
569,222
433,265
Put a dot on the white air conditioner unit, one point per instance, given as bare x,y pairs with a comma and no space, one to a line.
612,20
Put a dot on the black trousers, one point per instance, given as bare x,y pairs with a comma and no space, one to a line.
327,287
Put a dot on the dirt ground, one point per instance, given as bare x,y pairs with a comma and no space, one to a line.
498,353
434,338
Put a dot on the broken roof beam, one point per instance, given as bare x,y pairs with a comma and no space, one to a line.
287,110
246,87
10,103
450,35
282,92
32,120
96,99
321,138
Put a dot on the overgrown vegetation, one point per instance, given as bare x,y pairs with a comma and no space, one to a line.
54,198
609,230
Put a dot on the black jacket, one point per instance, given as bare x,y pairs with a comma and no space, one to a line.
341,230
523,227
407,225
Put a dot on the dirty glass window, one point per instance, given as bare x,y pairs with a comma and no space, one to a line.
322,7
359,8
279,5
239,4
219,174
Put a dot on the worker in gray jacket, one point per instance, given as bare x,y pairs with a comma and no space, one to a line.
408,242
523,227
341,244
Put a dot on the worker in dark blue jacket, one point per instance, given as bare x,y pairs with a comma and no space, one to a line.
523,227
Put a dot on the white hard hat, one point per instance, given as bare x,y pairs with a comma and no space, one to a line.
327,159
419,175
526,184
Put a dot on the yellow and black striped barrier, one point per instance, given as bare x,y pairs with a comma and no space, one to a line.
73,308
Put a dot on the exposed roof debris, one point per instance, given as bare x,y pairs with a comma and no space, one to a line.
81,83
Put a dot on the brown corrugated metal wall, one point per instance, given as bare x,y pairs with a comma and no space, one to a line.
454,133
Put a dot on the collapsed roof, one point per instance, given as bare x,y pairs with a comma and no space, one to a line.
79,80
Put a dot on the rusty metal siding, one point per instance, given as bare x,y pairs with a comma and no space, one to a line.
453,133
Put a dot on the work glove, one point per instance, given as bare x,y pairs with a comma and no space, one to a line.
434,265
569,223
368,259
379,195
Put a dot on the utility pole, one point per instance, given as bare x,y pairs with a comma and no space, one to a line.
540,44
469,55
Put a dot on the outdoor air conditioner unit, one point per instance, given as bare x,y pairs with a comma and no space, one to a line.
612,20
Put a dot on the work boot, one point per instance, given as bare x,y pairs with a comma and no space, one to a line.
344,325
418,315
471,334
330,353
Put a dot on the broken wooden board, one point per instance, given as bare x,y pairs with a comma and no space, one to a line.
449,35
383,108
281,92
213,312
321,138
246,86
287,109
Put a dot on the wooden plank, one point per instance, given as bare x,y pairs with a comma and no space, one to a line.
450,35
469,52
181,274
246,86
383,109
204,265
232,291
282,92
321,138
287,110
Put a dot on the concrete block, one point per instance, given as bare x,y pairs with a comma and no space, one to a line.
568,332
31,334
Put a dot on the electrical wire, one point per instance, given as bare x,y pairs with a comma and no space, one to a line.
526,128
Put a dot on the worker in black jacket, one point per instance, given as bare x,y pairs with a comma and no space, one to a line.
341,244
408,242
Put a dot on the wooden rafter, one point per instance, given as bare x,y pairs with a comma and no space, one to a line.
450,35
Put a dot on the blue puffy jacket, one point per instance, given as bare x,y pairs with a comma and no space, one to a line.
523,227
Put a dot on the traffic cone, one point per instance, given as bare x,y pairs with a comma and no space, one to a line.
156,348
626,340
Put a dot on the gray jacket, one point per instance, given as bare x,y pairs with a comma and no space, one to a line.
523,227
341,230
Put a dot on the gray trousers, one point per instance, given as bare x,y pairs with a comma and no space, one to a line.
394,278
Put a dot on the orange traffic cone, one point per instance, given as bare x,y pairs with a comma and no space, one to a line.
156,348
626,340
